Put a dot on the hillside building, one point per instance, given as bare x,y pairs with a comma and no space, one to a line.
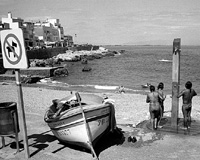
39,34
27,27
68,41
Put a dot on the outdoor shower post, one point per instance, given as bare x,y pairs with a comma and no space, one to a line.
175,81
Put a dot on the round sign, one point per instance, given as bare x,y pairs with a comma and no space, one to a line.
12,49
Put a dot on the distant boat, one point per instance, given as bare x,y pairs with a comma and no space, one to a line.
146,85
46,80
165,60
86,69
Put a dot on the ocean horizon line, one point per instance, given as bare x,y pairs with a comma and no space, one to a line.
146,45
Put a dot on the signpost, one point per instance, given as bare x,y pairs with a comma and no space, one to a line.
14,57
175,81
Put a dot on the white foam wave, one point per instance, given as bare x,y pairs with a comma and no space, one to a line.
165,60
106,87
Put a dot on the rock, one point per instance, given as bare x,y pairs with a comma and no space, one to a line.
38,63
90,57
84,61
30,79
76,59
45,62
97,56
109,54
33,64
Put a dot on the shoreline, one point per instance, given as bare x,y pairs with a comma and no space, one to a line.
51,84
131,108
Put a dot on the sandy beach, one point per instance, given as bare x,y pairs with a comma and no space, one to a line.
130,109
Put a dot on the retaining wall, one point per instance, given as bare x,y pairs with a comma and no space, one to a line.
45,53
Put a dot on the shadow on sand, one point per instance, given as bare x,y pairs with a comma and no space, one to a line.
43,140
39,141
167,128
104,142
110,139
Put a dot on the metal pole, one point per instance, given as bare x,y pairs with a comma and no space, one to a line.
3,141
21,108
16,131
175,81
86,126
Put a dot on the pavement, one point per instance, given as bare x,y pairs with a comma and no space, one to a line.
40,72
131,143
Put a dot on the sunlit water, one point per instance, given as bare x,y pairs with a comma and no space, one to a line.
137,66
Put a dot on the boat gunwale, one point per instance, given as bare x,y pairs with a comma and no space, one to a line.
64,115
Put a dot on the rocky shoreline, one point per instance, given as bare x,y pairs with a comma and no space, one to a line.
73,56
57,62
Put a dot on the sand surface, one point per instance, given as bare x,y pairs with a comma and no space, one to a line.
129,109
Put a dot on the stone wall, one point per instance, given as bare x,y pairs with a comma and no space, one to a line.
50,52
38,54
45,53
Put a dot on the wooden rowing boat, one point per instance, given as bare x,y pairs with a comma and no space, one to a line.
69,125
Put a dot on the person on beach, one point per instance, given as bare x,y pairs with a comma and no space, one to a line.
162,99
121,89
112,103
153,99
187,94
161,94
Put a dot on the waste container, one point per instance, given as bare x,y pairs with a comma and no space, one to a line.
9,123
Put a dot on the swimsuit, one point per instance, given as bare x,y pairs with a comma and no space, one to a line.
154,109
187,106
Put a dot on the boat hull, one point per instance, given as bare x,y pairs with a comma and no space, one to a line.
70,126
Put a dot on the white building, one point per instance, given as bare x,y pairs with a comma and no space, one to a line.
56,24
49,31
13,22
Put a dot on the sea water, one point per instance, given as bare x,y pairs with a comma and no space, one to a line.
136,66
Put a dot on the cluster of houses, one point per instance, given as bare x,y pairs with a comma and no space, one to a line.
45,34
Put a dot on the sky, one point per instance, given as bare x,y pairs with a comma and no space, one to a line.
116,22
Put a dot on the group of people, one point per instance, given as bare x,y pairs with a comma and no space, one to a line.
156,104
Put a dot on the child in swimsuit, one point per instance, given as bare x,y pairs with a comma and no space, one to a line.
187,95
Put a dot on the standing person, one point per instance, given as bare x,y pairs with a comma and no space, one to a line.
121,89
154,106
162,96
187,95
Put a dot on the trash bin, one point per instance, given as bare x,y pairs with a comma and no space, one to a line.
9,123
